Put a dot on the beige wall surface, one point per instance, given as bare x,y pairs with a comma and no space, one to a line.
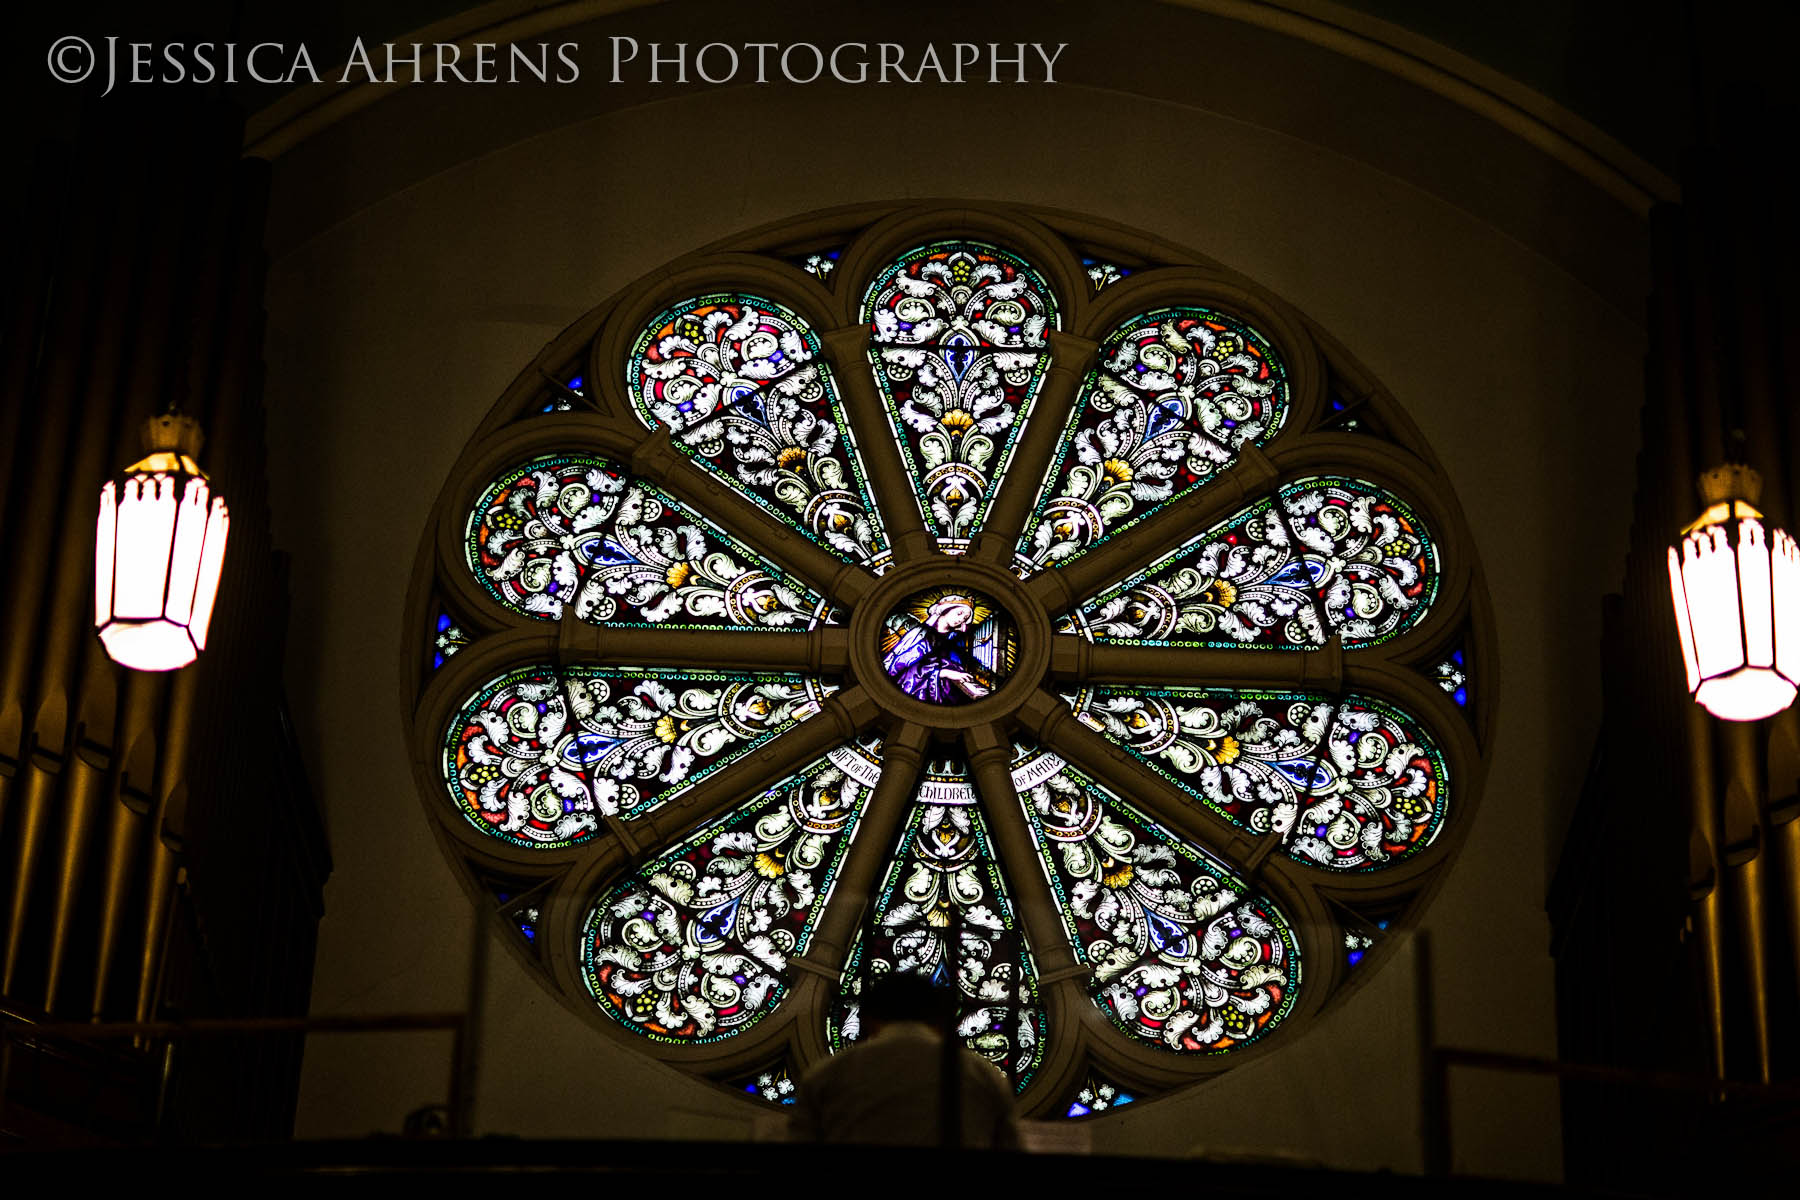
394,329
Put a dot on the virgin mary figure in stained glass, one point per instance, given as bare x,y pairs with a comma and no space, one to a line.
948,647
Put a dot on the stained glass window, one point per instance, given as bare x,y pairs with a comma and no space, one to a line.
949,645
959,346
1175,395
1322,557
447,640
774,1086
1183,954
1453,676
944,912
784,712
1100,273
695,947
741,384
576,529
1096,1095
540,755
1346,784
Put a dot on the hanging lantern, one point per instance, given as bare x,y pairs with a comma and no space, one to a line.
158,550
1736,585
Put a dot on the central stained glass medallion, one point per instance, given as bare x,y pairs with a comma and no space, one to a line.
949,645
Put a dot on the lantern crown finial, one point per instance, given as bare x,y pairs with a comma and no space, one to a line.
1730,481
173,431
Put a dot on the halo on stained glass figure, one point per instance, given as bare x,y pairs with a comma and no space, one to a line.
688,692
949,645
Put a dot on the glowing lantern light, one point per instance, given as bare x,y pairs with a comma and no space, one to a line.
1736,585
158,551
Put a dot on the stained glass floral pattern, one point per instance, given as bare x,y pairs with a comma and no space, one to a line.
740,384
1175,396
1184,957
1100,272
960,348
449,638
1324,556
539,755
1349,785
1452,674
1095,1096
576,529
695,946
774,1086
944,883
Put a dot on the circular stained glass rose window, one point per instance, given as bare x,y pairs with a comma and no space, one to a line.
950,595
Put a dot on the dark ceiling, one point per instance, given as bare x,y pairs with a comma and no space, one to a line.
1624,65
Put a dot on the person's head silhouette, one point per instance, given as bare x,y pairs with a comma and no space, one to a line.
903,996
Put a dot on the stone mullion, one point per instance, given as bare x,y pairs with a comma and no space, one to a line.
878,447
657,460
990,763
1064,587
1071,358
822,650
902,754
1075,660
1121,772
842,718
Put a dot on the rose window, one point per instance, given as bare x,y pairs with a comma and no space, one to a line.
949,593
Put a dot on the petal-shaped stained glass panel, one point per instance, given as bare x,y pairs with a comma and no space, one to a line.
741,385
575,528
1351,785
959,348
1174,397
1183,955
944,883
540,755
1323,556
694,947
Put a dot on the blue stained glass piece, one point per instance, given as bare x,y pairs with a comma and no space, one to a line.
1355,957
1079,1110
749,401
1462,697
1124,1098
588,748
443,622
1297,769
437,662
1457,656
575,384
1166,934
959,352
1305,572
715,926
1162,418
529,931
